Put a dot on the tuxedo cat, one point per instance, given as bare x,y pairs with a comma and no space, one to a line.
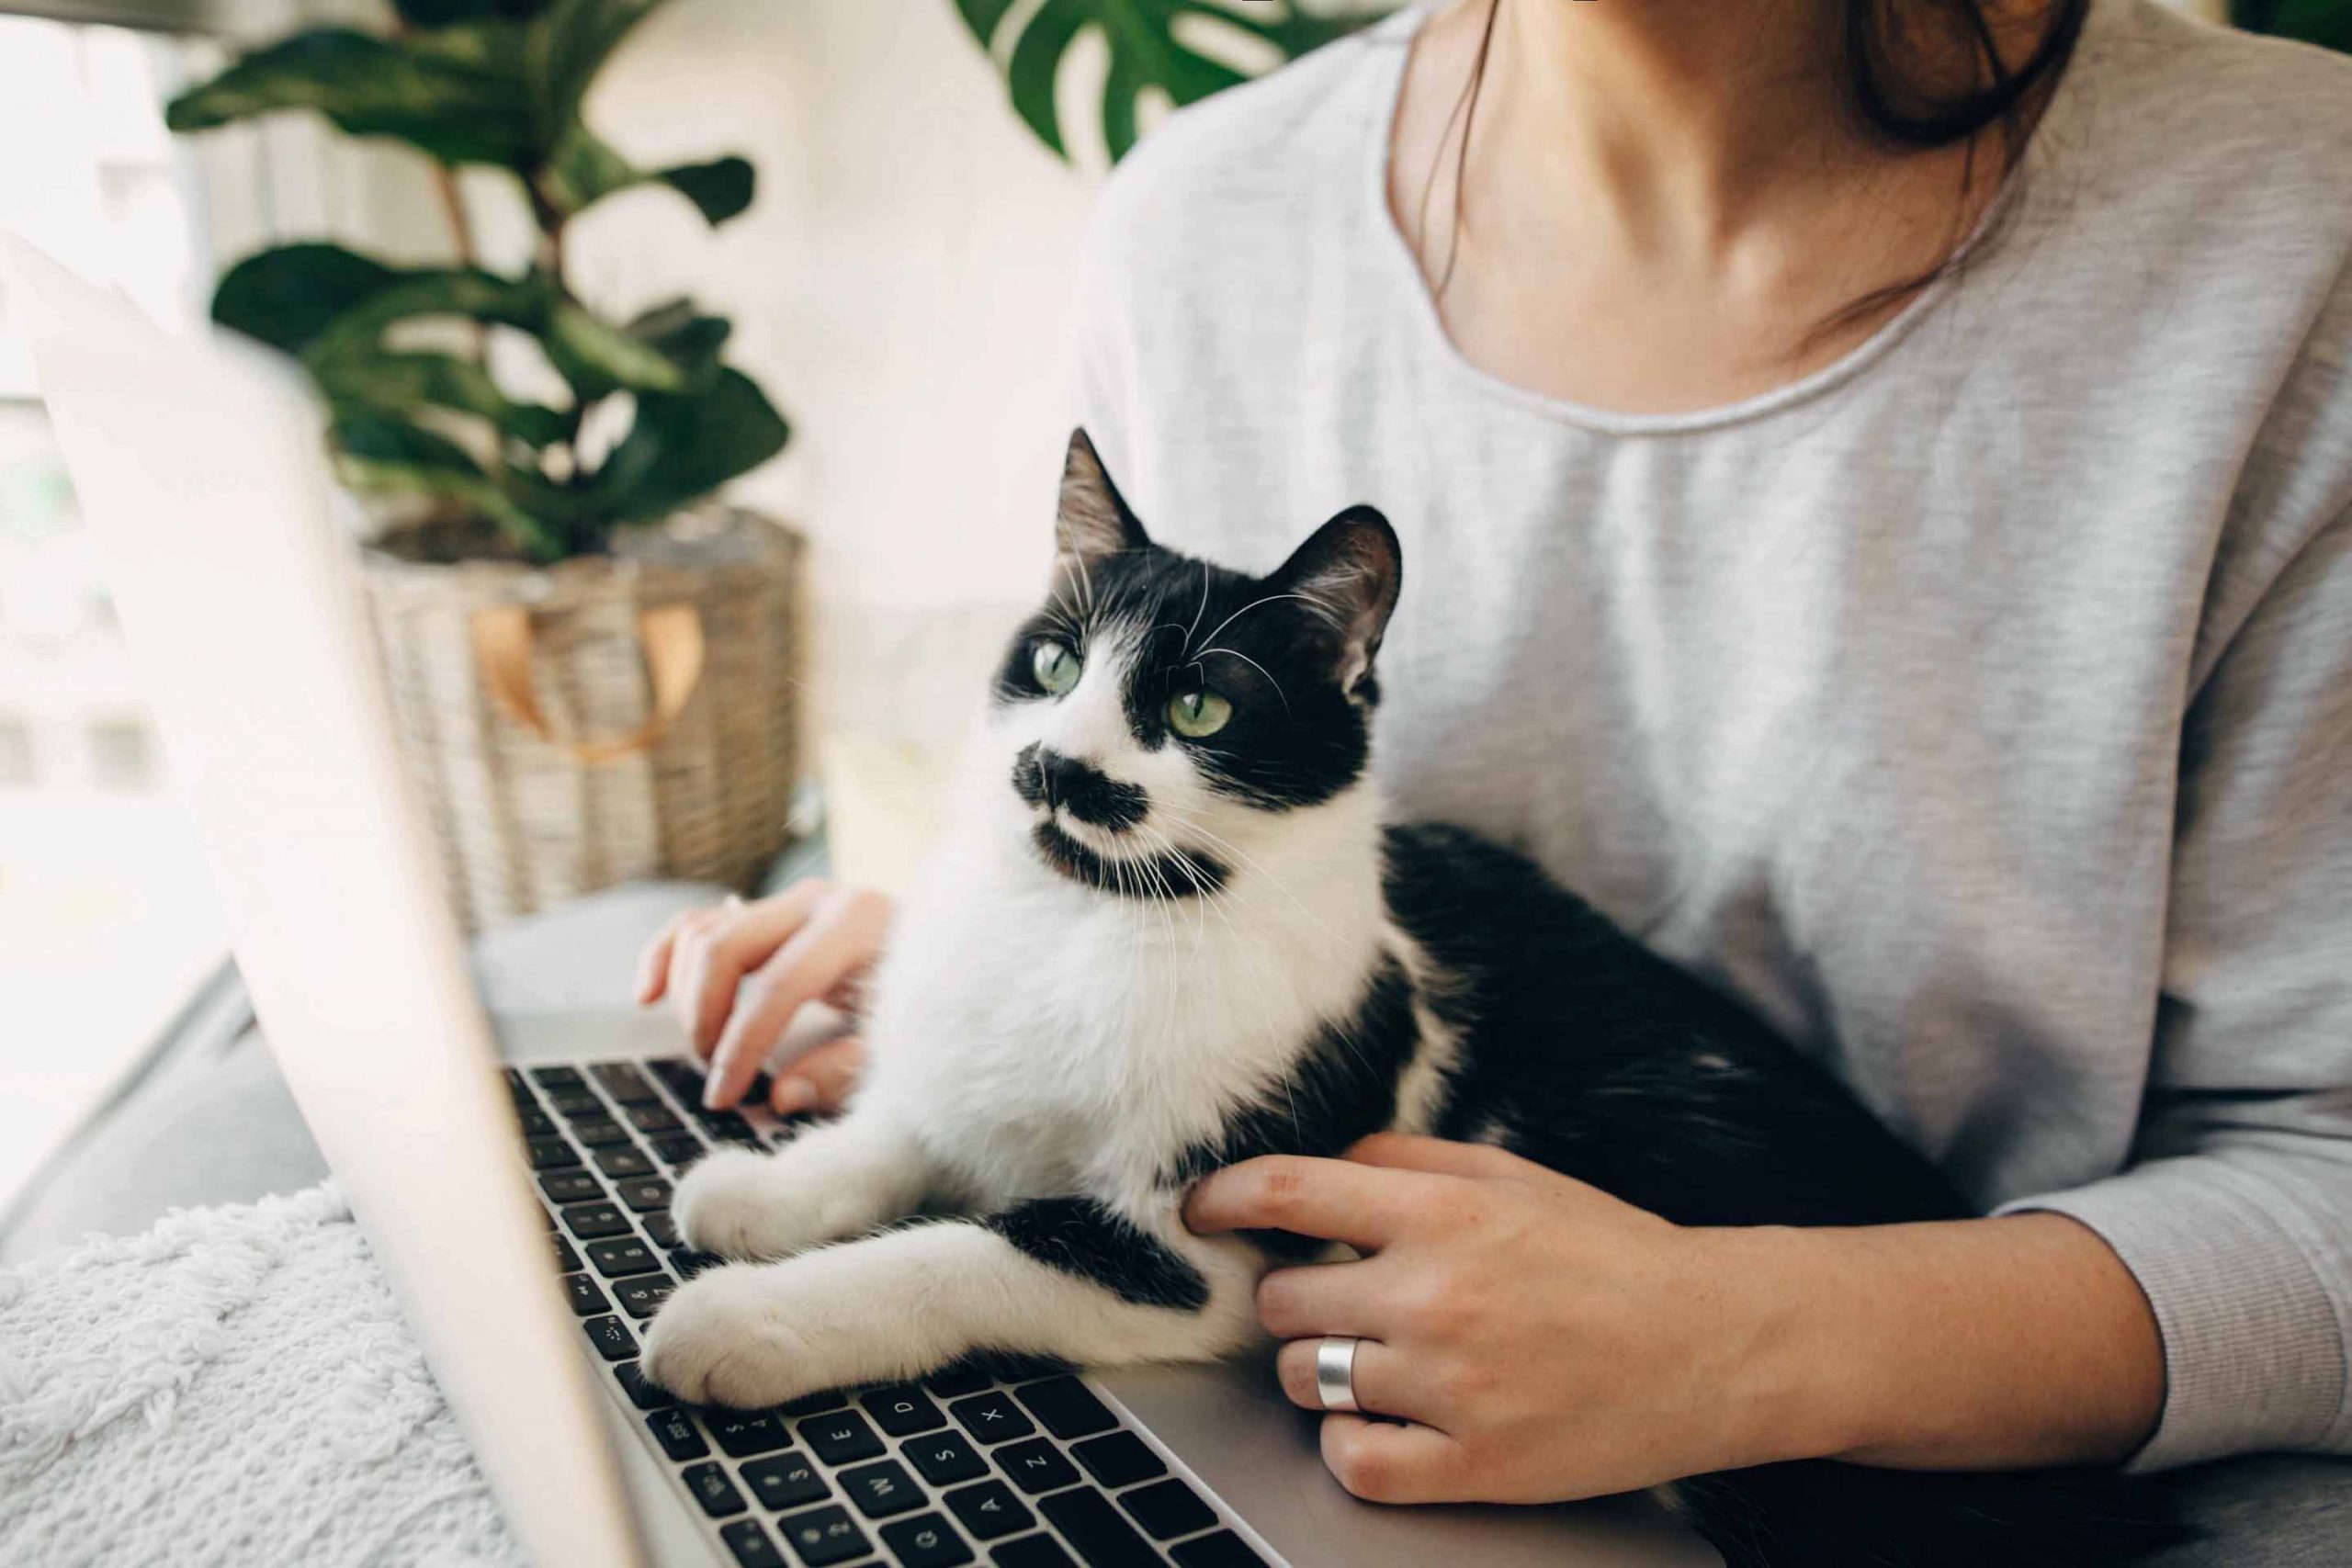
1171,930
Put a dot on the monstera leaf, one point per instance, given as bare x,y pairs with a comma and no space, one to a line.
1146,52
2323,22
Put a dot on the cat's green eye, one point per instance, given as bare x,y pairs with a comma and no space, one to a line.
1056,667
1194,714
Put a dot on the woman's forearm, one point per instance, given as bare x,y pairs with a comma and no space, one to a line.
1966,1344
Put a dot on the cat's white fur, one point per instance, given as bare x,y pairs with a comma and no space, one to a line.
1033,1037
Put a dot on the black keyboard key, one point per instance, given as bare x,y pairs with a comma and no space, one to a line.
566,1261
785,1480
612,1338
641,1296
989,1510
515,1085
662,1229
535,1122
746,1432
683,1077
1119,1458
1033,1552
556,1077
621,1164
689,1263
600,1133
823,1535
842,1437
1036,1466
1167,1509
678,1150
901,1409
944,1457
813,1404
1223,1549
570,1187
992,1417
750,1545
727,1124
649,1119
622,1255
645,1195
1067,1408
551,1154
882,1490
1088,1522
711,1488
625,1083
958,1377
576,1104
676,1432
591,1222
587,1300
926,1541
641,1393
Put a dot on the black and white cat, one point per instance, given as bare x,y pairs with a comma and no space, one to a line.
1171,930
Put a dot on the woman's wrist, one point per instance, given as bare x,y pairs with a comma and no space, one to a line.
2011,1342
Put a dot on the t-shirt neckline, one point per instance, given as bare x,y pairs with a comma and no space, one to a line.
1395,260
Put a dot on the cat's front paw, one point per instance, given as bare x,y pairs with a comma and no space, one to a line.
719,1340
737,1204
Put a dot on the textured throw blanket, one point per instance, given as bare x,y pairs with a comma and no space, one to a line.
234,1387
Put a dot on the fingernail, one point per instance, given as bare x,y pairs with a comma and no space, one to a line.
711,1094
792,1094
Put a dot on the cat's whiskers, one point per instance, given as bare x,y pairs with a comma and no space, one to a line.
1194,824
1277,685
1320,608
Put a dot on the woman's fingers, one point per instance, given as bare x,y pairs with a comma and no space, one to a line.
1388,1462
819,1078
1384,1381
839,940
1335,1200
1439,1157
653,964
1325,1298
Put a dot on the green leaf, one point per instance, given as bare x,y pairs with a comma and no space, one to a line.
583,170
287,296
381,456
406,382
455,93
441,12
690,340
1145,52
2325,22
599,359
568,46
469,293
683,447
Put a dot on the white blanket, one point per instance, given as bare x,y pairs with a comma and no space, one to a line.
234,1387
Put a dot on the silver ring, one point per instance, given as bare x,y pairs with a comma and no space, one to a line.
1335,1371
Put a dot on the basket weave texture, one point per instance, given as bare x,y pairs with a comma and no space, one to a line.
522,820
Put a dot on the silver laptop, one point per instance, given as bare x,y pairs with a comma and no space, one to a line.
519,1206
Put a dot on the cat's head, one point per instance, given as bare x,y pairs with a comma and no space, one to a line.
1157,710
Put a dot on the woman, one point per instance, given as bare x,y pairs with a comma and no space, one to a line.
1877,481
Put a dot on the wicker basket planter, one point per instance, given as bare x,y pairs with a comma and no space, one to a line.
605,719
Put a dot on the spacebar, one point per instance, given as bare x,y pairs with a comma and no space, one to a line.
1092,1526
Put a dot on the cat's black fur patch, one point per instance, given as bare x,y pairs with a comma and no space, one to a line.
1080,1237
1045,777
1184,874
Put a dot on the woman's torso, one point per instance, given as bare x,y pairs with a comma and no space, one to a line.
1865,697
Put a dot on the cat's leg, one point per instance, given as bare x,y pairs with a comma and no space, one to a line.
834,1180
1065,1277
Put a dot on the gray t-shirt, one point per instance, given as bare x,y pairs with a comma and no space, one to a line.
1979,709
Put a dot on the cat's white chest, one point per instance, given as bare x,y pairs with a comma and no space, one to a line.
1041,1038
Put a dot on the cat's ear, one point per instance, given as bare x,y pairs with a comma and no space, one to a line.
1348,571
1093,521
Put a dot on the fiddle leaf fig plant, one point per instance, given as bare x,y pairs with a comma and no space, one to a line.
1149,49
493,84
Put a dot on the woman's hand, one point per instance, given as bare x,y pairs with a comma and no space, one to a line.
1539,1339
737,974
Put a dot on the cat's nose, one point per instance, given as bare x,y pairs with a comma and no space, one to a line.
1048,777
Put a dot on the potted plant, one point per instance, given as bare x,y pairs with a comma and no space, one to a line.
592,666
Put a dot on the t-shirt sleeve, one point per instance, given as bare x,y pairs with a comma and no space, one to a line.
2235,1215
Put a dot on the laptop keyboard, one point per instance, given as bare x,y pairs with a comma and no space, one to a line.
1019,1468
